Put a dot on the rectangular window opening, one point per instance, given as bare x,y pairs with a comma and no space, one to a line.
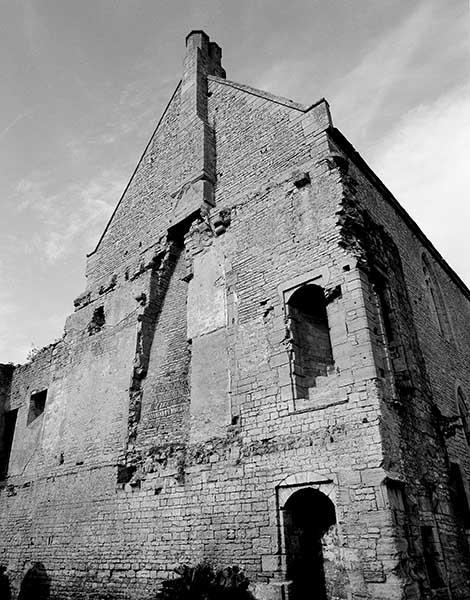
384,303
396,495
37,404
6,440
397,502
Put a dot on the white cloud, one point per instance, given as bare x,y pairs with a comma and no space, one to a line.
424,162
60,222
423,53
361,94
15,121
75,214
426,53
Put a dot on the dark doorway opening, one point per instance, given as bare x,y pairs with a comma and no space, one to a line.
36,584
308,515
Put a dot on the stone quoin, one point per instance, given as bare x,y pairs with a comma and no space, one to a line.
269,368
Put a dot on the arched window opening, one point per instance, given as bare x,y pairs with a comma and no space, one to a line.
463,413
434,298
312,355
308,515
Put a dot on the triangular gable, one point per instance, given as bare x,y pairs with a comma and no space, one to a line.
146,198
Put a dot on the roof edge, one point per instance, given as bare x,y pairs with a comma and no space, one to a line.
262,94
357,159
134,172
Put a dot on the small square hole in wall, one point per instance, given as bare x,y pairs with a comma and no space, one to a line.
37,404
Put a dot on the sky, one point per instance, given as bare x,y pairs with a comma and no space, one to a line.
83,84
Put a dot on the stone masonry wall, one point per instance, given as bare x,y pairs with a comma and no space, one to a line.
215,497
171,432
418,423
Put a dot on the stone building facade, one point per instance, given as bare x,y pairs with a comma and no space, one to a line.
268,368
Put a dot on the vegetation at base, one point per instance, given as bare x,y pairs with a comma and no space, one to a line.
205,582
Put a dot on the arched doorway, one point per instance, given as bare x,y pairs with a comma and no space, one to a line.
307,515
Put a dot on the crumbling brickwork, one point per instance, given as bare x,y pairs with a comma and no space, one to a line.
268,368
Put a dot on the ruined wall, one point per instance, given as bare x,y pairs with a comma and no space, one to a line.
172,431
428,358
140,475
63,464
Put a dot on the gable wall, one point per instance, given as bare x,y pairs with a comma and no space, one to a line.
142,215
205,486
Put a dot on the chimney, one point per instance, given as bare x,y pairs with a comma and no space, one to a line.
210,53
196,191
202,59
